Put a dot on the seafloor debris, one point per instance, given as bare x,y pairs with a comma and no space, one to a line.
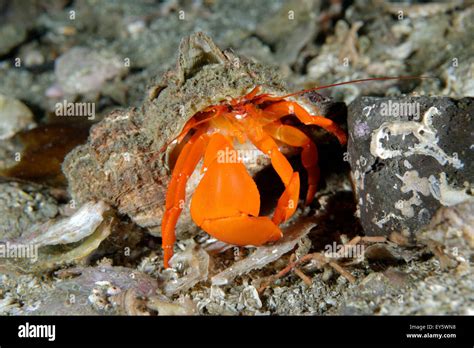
288,30
22,205
82,71
129,303
163,306
415,150
349,251
40,151
195,264
55,243
14,117
10,37
69,230
450,234
421,10
102,289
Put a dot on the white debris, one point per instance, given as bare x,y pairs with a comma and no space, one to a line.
69,230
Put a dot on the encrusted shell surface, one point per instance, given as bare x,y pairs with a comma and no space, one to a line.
121,165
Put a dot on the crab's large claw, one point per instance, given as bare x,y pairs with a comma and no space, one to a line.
226,202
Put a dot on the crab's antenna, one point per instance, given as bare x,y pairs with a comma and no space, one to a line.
357,81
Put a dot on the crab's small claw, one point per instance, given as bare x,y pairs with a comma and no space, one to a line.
309,154
288,201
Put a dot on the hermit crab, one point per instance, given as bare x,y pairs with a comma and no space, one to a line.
142,161
226,202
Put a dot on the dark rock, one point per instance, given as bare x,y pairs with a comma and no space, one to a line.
409,157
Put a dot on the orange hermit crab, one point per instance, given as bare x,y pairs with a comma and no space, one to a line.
226,202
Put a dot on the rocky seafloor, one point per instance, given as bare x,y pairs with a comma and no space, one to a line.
391,230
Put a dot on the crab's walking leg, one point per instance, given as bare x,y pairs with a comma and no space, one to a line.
208,115
253,93
292,108
189,157
288,201
187,127
226,202
309,155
